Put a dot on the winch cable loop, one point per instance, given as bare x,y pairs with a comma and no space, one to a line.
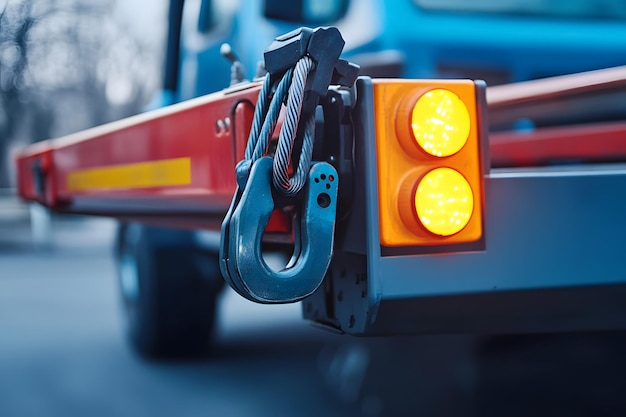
291,186
265,118
259,116
291,86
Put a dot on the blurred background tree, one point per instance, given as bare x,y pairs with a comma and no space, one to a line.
66,65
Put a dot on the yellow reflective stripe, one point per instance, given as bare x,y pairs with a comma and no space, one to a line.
163,173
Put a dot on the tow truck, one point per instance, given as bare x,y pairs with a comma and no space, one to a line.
410,216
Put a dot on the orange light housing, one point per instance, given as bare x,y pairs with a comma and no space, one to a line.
429,154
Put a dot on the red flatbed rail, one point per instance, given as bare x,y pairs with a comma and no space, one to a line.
175,165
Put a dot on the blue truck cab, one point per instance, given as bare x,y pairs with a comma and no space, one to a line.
499,43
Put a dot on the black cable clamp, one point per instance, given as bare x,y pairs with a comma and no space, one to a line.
323,46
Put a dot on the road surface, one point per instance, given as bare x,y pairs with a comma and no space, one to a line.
62,350
62,353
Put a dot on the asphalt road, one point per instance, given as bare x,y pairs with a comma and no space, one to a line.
62,350
62,353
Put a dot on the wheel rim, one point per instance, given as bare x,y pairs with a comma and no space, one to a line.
129,277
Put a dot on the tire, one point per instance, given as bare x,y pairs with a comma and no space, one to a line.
168,288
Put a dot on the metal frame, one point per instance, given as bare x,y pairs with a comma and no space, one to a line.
553,260
207,134
553,234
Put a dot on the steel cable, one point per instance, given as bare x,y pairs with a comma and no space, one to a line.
291,86
265,120
282,182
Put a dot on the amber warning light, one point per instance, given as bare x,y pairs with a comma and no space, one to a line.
430,176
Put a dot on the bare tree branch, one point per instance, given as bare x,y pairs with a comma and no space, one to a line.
59,62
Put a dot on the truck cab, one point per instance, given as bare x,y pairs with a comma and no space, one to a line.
503,43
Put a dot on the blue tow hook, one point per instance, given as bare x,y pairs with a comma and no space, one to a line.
242,262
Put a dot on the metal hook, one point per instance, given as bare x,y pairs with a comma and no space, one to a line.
242,262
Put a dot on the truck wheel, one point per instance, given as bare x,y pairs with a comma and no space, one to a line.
168,288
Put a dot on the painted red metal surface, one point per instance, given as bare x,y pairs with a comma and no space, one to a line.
542,90
605,142
211,131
